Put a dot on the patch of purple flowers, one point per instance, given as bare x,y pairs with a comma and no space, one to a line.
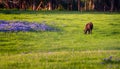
111,60
16,26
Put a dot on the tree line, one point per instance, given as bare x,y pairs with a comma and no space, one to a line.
71,5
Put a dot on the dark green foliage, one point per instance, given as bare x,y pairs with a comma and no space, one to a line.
98,5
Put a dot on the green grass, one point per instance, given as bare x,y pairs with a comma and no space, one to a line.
65,49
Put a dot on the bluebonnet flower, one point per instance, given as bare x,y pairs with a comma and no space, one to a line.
15,26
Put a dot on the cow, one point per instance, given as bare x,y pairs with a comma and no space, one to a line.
88,28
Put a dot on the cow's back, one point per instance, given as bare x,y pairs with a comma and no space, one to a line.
89,26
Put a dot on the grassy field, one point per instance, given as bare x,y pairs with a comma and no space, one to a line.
68,48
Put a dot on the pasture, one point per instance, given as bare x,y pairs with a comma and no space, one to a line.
68,48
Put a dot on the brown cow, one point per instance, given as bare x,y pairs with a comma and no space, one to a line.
88,28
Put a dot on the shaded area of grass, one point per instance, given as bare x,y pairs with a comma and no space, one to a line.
51,12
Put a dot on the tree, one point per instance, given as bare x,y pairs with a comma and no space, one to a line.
91,5
33,5
112,5
70,4
78,5
50,5
6,2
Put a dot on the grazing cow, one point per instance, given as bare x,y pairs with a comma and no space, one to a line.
88,28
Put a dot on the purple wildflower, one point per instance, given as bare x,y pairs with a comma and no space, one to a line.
15,26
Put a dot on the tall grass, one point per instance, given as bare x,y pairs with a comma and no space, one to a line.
69,48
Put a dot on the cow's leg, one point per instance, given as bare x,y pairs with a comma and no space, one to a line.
88,31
